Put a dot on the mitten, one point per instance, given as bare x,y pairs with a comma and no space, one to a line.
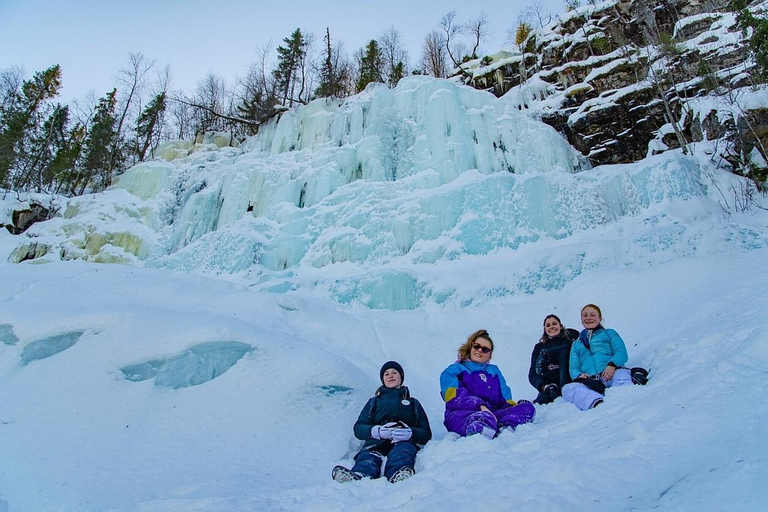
401,434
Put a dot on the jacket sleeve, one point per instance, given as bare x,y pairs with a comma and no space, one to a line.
534,378
506,391
457,398
574,361
564,362
362,426
618,348
422,433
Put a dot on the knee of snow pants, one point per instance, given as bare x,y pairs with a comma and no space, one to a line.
401,455
368,463
580,395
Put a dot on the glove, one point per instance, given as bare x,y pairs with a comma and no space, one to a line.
523,401
550,388
401,434
382,432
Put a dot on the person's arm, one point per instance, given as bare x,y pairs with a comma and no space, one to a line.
620,356
422,433
363,426
456,397
506,391
574,361
536,380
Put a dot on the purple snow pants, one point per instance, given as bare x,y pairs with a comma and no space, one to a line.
467,423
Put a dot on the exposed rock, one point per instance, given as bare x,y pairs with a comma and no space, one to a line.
22,219
617,84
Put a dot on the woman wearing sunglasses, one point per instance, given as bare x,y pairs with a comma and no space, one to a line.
477,398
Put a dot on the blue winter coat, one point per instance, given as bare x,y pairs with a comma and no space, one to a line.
594,349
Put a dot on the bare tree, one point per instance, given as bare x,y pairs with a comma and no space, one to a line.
479,29
451,30
538,11
433,58
10,84
394,55
131,81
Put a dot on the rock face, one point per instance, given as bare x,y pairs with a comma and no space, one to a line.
614,75
22,219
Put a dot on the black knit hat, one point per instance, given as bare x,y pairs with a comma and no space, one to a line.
396,366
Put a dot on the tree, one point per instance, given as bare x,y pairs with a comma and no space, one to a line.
394,56
20,118
479,30
433,59
131,80
334,71
10,84
451,31
98,159
758,40
149,125
290,57
370,65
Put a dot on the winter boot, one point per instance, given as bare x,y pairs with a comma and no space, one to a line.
344,475
401,474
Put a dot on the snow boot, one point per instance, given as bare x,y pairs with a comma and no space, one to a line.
344,475
639,375
401,474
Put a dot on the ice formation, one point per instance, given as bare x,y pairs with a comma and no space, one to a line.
49,346
358,199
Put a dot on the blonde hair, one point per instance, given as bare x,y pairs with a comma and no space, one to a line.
463,353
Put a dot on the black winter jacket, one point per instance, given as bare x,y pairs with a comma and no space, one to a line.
392,405
550,360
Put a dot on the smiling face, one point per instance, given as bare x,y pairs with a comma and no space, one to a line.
481,351
590,317
392,378
552,326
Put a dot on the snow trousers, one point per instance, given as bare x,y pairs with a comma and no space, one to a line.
584,398
509,417
368,462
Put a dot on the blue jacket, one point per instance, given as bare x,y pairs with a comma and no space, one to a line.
594,349
468,385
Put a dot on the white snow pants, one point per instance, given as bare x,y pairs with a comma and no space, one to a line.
584,398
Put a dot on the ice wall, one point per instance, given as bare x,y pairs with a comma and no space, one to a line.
360,199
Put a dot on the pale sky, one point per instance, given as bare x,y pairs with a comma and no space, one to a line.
91,39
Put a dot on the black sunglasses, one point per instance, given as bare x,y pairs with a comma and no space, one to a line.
481,348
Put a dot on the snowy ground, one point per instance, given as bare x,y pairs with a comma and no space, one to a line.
76,434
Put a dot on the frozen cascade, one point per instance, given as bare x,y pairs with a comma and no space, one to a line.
357,199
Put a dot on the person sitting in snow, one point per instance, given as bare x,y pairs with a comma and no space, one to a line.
394,425
549,370
477,398
596,362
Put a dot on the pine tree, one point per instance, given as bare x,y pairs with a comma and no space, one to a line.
97,156
289,57
149,124
330,76
20,117
758,40
370,66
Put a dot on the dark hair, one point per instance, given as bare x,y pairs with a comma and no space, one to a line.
463,353
544,336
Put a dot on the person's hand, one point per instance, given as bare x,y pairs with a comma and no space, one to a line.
484,408
583,376
608,372
401,434
381,432
550,388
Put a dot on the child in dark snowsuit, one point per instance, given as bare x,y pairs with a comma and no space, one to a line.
550,360
393,425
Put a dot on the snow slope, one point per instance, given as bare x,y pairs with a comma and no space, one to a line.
77,435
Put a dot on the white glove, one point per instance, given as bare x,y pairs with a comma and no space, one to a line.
381,432
402,434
